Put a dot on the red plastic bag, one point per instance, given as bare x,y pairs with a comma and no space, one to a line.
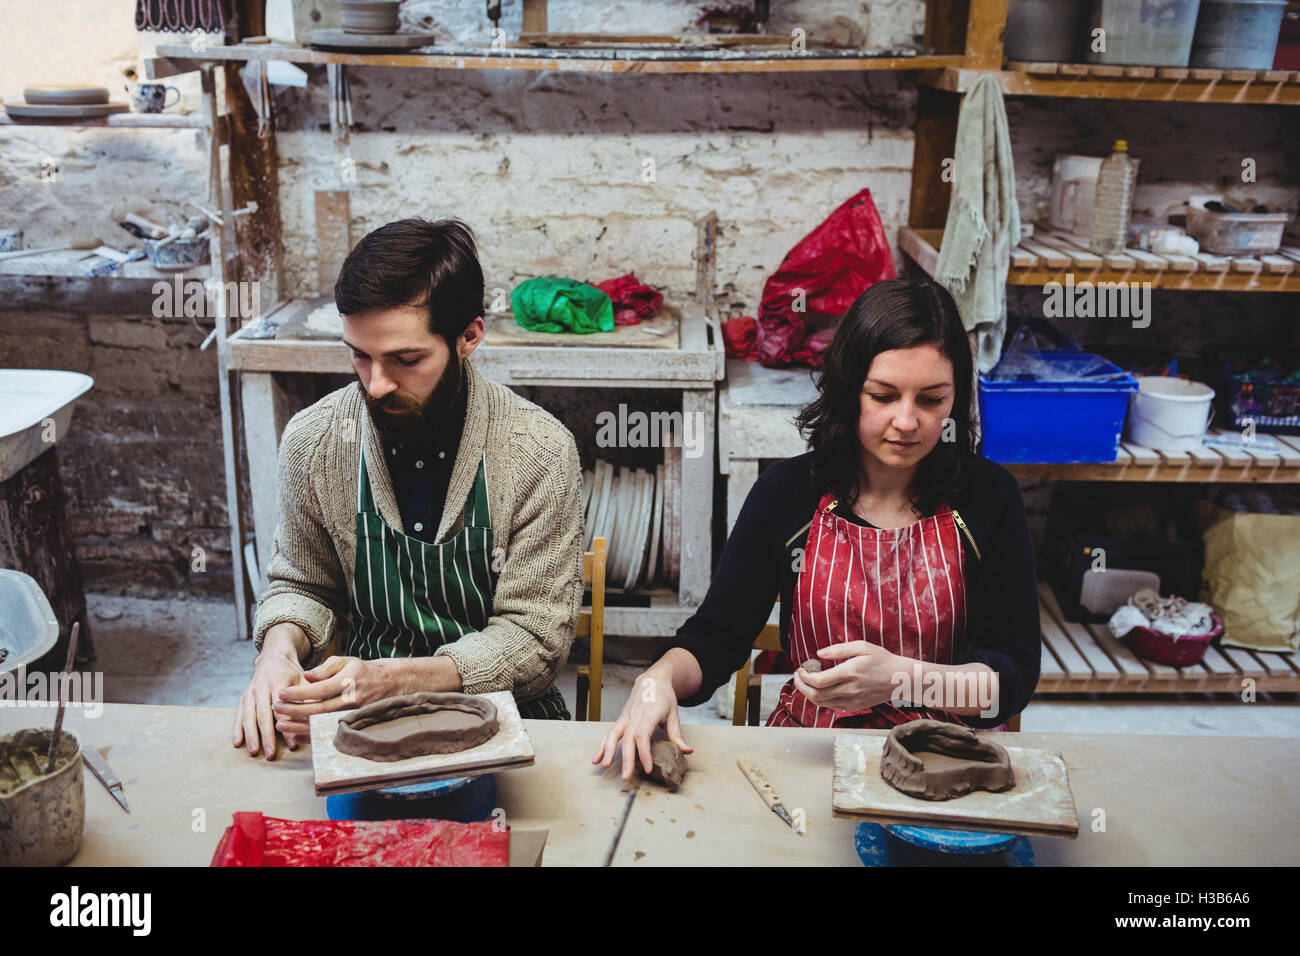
831,266
633,299
740,336
257,840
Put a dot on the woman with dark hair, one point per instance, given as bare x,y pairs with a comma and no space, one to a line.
901,557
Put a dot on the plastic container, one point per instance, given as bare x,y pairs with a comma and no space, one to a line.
1113,206
1056,422
1166,649
28,628
1170,413
1234,233
1144,32
1049,31
1237,34
41,822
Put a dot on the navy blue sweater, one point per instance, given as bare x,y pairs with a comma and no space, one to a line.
1002,627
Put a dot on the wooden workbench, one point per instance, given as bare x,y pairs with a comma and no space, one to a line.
1211,801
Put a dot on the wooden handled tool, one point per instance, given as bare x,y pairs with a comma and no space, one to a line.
765,790
58,720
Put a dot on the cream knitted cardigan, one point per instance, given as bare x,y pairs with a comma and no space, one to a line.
533,477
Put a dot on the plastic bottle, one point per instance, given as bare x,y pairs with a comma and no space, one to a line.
1114,202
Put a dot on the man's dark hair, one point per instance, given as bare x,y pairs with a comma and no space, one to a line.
415,262
893,314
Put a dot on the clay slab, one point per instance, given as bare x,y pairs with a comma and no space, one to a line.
337,772
1040,804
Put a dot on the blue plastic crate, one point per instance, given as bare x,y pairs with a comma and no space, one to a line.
1056,421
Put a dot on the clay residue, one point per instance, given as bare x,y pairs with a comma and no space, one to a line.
23,756
812,665
935,760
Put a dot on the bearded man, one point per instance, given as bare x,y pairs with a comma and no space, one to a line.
429,519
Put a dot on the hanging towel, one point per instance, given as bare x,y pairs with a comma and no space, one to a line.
983,220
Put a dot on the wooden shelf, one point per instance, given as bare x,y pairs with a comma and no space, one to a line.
1206,464
1087,659
1053,257
465,57
67,264
281,341
1161,84
115,121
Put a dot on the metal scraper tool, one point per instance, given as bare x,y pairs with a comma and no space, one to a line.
765,790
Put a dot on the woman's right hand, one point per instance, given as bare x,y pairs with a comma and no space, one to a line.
651,704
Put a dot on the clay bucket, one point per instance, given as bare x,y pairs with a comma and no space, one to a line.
41,822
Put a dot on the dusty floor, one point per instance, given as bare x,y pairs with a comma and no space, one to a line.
181,652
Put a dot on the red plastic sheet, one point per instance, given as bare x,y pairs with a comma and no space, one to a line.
257,840
633,299
831,266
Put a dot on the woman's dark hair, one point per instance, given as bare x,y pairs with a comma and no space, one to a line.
415,262
893,314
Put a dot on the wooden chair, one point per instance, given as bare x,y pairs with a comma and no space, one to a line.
749,687
591,625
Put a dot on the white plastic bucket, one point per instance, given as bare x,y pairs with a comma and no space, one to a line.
1170,413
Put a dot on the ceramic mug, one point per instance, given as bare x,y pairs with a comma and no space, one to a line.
11,240
152,97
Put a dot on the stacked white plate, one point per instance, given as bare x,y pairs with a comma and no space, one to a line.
625,506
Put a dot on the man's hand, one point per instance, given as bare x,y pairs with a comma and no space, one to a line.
864,679
276,668
341,683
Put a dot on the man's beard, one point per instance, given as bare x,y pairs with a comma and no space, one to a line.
417,423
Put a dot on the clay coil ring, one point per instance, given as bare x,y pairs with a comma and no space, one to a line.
987,765
351,738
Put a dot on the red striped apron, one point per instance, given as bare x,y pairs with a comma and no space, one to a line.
900,588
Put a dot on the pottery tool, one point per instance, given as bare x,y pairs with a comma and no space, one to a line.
766,791
622,822
58,719
1040,804
100,768
337,772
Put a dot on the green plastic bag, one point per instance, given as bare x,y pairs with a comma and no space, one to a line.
553,304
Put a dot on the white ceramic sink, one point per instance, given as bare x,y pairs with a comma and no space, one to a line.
27,625
35,411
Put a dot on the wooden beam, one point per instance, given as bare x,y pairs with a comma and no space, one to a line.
161,67
254,177
984,29
935,141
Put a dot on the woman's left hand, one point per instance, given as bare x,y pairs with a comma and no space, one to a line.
340,683
864,677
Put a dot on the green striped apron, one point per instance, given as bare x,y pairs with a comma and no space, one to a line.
410,597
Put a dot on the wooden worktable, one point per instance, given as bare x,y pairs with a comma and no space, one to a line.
1168,800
